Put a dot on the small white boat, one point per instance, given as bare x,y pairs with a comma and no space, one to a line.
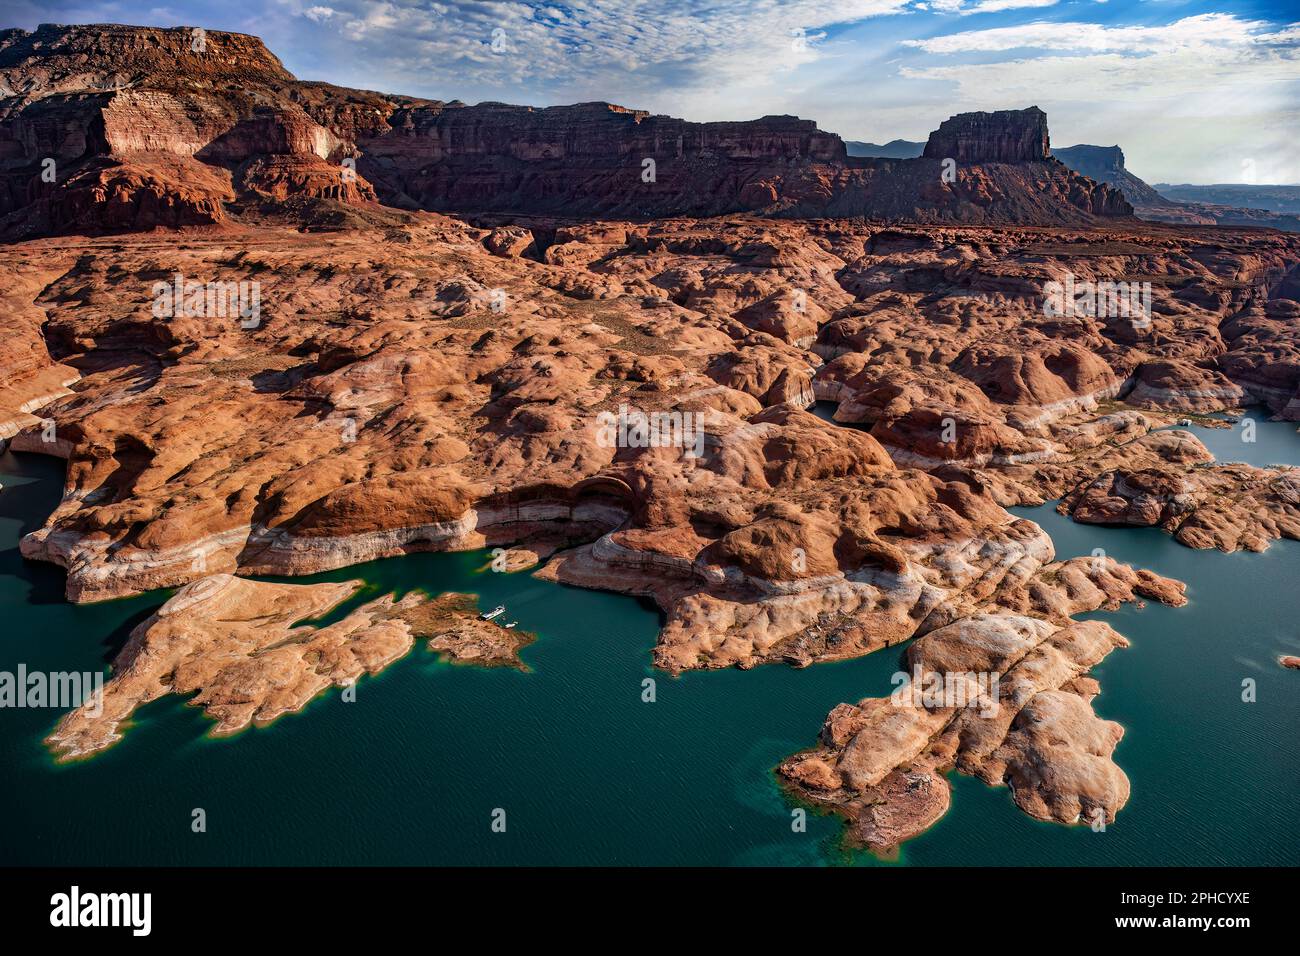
495,612
510,625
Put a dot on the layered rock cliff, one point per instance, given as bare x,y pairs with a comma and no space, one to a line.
1007,136
589,158
106,127
1105,164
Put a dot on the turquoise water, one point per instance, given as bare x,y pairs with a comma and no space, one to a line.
1270,443
587,773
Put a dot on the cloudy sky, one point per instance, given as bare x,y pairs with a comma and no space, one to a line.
1194,90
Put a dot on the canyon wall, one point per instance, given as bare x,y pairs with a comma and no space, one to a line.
106,127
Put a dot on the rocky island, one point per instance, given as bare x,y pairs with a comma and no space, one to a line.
440,313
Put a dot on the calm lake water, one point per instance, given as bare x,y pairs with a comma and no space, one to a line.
411,772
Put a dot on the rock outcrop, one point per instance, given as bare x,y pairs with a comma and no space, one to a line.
403,399
1230,507
238,646
1105,164
108,128
1183,386
1006,136
1001,697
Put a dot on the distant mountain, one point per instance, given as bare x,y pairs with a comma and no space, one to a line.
1105,164
1275,198
894,149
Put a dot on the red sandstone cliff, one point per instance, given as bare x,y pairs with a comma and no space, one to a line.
1007,136
107,127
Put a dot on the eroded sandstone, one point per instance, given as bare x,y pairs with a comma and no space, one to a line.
248,653
881,763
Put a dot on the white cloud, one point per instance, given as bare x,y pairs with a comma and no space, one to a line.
1210,56
1198,32
997,6
966,8
1188,101
681,45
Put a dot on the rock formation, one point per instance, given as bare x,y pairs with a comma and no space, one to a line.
1105,164
107,128
238,646
997,696
1230,507
415,382
112,128
1007,136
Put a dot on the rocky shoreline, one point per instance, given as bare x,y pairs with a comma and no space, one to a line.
312,445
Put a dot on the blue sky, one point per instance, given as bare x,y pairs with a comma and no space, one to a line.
1194,90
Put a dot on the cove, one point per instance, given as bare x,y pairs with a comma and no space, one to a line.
587,773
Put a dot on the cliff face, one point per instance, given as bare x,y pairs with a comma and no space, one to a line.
1005,161
1007,136
150,127
1102,163
592,157
108,128
599,132
57,58
1037,193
